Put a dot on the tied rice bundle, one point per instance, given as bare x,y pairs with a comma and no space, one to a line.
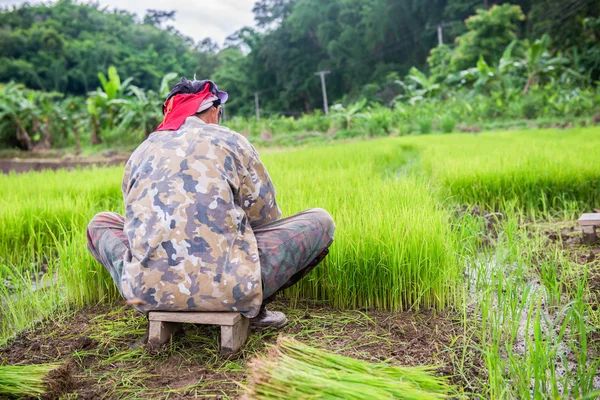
292,370
33,380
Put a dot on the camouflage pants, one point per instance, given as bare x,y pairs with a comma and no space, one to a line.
288,248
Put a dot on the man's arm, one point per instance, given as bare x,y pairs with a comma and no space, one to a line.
258,195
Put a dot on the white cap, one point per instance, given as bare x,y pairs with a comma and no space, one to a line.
206,104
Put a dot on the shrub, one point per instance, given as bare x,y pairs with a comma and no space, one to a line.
447,123
425,124
532,106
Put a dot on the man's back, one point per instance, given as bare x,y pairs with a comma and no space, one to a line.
202,230
191,197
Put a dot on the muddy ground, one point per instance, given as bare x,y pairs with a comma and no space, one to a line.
567,238
25,165
96,343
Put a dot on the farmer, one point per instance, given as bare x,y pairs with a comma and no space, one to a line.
202,230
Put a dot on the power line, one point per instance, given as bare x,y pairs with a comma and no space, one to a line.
561,7
391,46
577,8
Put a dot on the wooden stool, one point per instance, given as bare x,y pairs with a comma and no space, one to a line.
234,327
588,223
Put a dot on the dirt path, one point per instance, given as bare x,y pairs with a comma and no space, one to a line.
25,165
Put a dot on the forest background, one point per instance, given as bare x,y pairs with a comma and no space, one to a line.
391,62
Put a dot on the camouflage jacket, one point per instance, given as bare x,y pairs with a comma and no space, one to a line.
192,197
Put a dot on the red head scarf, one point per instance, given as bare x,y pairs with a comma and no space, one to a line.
181,106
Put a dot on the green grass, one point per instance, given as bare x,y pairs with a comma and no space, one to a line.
398,243
540,172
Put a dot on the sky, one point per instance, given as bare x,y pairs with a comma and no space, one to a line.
198,19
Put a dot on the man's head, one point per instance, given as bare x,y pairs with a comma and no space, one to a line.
210,109
212,114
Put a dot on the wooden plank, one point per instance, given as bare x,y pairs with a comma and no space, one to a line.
160,332
234,337
589,219
206,318
589,234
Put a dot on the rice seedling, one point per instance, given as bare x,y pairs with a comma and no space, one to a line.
394,248
547,172
293,370
399,244
530,334
25,380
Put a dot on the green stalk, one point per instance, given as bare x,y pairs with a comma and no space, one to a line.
293,370
25,380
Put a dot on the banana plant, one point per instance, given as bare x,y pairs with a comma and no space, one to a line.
538,63
347,115
165,84
417,87
484,76
142,112
113,86
27,115
15,114
104,103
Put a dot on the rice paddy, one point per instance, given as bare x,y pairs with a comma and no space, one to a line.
416,230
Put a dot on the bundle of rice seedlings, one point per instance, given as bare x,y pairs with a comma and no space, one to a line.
34,380
292,370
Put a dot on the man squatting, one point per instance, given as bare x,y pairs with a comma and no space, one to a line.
202,229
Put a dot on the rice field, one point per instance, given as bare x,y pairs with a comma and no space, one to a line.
415,231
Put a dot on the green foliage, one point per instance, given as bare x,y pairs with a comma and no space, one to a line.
489,32
447,123
439,62
425,124
501,78
348,115
27,117
63,47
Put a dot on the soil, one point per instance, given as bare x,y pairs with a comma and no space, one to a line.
96,343
568,238
20,166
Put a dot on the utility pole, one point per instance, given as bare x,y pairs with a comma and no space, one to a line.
440,31
256,106
324,88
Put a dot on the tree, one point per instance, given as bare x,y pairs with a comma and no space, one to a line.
489,32
272,12
63,46
439,62
158,17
